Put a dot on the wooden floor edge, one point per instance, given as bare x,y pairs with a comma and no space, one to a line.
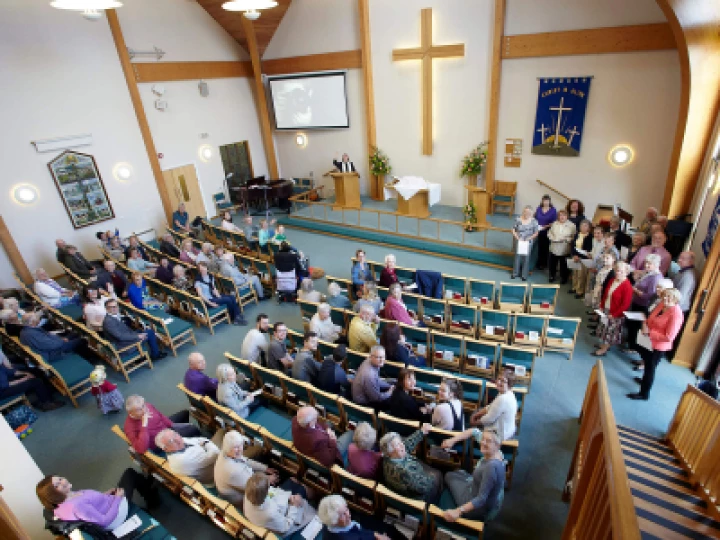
443,255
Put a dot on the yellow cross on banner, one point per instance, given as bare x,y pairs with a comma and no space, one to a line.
426,52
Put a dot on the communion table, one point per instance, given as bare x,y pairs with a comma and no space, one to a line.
414,195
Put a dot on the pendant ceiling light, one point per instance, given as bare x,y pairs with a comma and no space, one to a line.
86,5
249,7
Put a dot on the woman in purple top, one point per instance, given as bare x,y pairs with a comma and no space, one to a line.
644,289
363,460
545,215
109,510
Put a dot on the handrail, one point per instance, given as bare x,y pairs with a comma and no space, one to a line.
303,199
599,480
553,189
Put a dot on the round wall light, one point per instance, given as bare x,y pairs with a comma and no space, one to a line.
621,155
24,194
122,172
301,140
205,152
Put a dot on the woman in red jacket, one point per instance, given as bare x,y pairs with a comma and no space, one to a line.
615,301
662,326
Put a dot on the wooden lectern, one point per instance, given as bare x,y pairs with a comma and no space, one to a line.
481,199
417,206
347,190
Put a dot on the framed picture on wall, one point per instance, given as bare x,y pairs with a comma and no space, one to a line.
81,188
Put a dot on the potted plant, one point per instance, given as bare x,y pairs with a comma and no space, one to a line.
470,213
474,162
379,162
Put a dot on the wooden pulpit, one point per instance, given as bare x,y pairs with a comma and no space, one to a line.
481,199
416,206
347,189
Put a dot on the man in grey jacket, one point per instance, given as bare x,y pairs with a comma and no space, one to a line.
121,335
305,367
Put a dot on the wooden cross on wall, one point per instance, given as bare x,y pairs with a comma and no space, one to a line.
426,52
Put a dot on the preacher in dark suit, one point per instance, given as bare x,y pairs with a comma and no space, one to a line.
121,335
345,165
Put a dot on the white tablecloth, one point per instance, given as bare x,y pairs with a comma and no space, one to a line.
410,185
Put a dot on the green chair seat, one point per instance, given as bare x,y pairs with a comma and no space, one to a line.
504,198
275,423
212,311
72,311
446,501
177,326
72,368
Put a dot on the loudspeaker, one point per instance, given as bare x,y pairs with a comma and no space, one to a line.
203,87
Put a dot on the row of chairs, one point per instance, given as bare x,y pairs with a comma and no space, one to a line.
486,294
236,242
342,414
367,497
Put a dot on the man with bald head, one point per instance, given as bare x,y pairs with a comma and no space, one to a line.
313,438
196,381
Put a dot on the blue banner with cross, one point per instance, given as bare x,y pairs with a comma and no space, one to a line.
560,117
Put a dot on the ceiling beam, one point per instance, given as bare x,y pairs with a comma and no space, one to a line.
313,62
261,100
147,72
615,39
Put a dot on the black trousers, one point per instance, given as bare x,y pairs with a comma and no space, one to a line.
132,481
543,249
181,424
552,269
651,360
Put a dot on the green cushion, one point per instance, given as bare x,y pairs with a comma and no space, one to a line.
72,311
212,311
72,368
275,423
503,198
177,327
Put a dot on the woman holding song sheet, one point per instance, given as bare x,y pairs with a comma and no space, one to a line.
615,301
525,231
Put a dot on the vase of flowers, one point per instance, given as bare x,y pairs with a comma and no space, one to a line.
470,213
379,162
474,162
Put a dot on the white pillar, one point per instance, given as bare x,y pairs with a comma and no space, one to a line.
19,475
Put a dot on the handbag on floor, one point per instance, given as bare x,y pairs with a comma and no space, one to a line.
20,415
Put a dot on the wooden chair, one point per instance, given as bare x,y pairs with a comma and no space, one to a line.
244,368
397,507
448,460
353,414
171,331
543,299
391,424
327,407
440,528
494,325
463,318
433,313
474,393
271,383
447,351
512,296
198,409
480,358
519,360
529,331
418,339
314,474
297,393
282,454
561,334
481,293
504,197
455,288
359,493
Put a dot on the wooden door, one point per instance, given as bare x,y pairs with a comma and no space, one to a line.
183,186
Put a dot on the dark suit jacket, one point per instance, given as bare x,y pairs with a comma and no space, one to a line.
339,165
403,405
119,333
78,264
105,277
316,443
622,240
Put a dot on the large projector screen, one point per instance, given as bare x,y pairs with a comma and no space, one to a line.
309,101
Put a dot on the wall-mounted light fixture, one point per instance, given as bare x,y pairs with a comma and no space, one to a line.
122,172
205,152
24,194
621,155
301,140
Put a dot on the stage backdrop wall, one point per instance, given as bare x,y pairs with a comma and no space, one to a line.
227,115
319,27
65,79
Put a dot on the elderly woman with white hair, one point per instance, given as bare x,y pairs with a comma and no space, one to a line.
388,275
208,256
322,324
526,229
404,473
643,291
180,280
615,301
51,292
395,309
307,292
363,460
335,516
478,496
283,510
662,327
335,297
230,394
233,469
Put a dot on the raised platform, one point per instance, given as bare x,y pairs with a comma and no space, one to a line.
378,222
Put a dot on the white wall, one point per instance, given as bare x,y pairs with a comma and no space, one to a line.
634,99
460,87
20,474
227,115
62,77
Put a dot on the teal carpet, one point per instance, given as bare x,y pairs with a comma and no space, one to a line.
77,443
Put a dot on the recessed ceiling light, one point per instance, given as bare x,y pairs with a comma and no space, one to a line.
301,140
24,194
205,152
123,172
621,155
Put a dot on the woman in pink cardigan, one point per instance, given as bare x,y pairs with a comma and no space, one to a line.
662,326
395,309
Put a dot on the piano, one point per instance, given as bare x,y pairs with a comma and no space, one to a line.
253,192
